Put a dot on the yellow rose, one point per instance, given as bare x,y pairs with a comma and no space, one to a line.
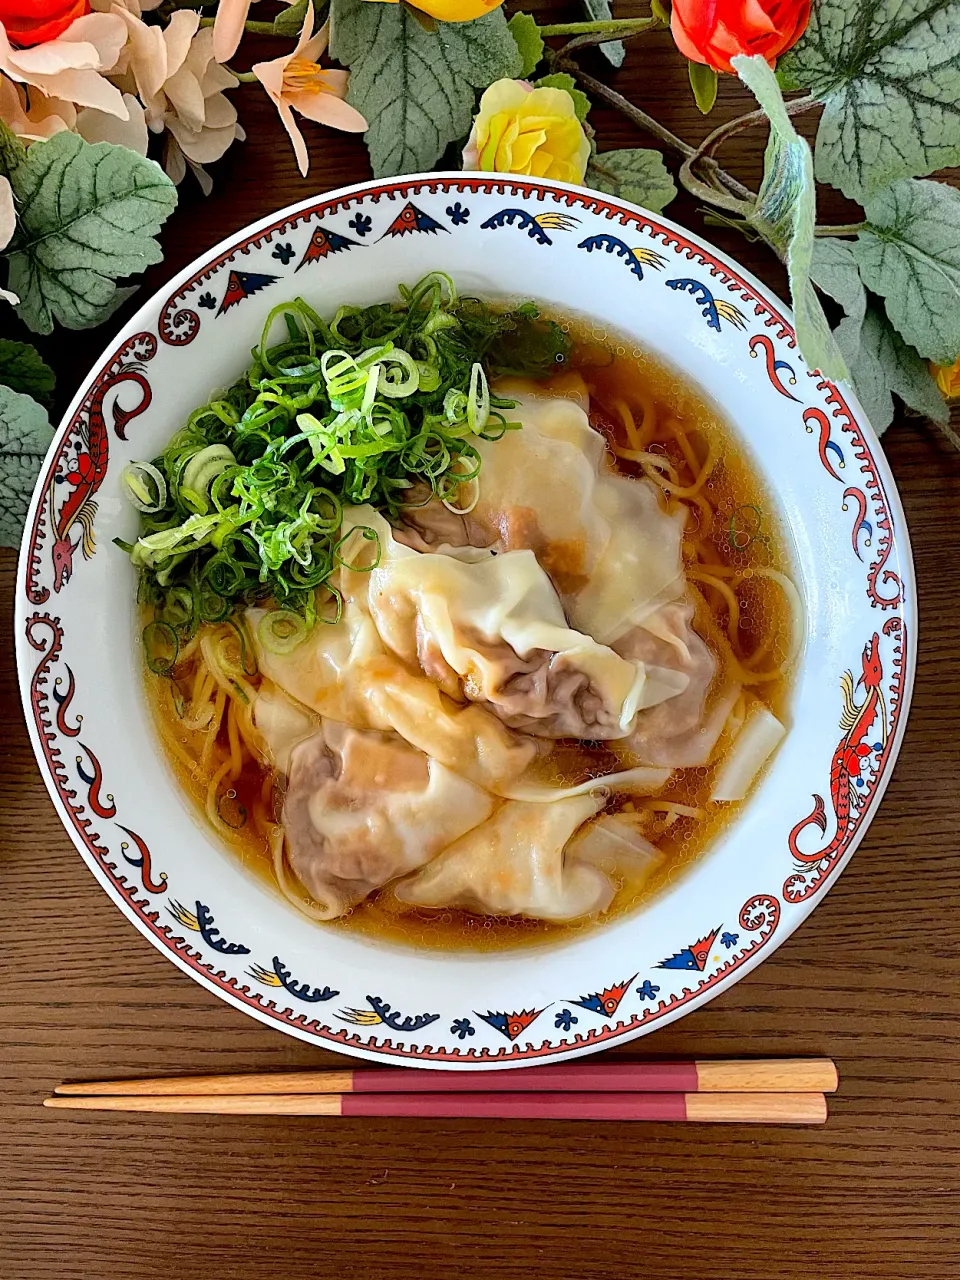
454,10
948,378
519,129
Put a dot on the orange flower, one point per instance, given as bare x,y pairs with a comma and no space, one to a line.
296,82
714,31
30,22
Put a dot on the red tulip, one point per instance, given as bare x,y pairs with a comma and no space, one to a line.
30,22
714,31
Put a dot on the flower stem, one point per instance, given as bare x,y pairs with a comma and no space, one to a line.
613,28
255,28
624,105
704,153
639,28
245,77
846,229
726,191
753,118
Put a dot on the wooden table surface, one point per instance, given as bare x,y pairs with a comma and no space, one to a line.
872,979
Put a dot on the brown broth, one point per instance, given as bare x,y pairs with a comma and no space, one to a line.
745,535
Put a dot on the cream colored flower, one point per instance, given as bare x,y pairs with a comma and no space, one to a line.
70,67
97,126
8,224
35,117
295,82
172,70
228,27
520,129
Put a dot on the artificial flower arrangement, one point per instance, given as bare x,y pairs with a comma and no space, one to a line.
107,105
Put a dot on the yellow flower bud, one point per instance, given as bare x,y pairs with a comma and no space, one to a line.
454,10
948,378
519,129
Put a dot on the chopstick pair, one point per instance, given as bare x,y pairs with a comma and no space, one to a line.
763,1091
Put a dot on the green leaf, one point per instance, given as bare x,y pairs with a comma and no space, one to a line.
703,82
23,370
889,76
834,270
25,434
88,214
786,213
289,22
416,89
881,365
12,150
529,41
637,175
599,11
581,103
909,253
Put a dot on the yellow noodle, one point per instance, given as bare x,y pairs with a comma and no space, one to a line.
649,461
247,731
626,416
761,651
717,568
735,669
653,462
213,788
188,650
796,607
192,766
234,685
705,523
672,807
732,603
211,733
687,448
233,738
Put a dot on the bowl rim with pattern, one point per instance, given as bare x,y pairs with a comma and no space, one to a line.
584,252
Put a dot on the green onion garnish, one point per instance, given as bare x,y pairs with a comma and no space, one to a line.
245,503
161,647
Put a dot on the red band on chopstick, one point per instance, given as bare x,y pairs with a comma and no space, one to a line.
519,1106
605,1077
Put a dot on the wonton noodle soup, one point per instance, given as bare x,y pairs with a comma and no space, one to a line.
526,710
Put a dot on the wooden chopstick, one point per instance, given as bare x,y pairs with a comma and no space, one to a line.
770,1075
744,1108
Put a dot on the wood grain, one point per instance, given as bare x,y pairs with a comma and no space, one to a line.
871,980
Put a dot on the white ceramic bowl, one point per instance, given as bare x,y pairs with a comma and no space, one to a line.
79,664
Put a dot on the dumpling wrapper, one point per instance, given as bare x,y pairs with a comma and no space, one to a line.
281,724
513,865
612,551
345,673
363,808
494,629
677,733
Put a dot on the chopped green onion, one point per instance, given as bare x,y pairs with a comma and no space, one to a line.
399,374
478,399
161,647
245,503
145,486
200,472
280,631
